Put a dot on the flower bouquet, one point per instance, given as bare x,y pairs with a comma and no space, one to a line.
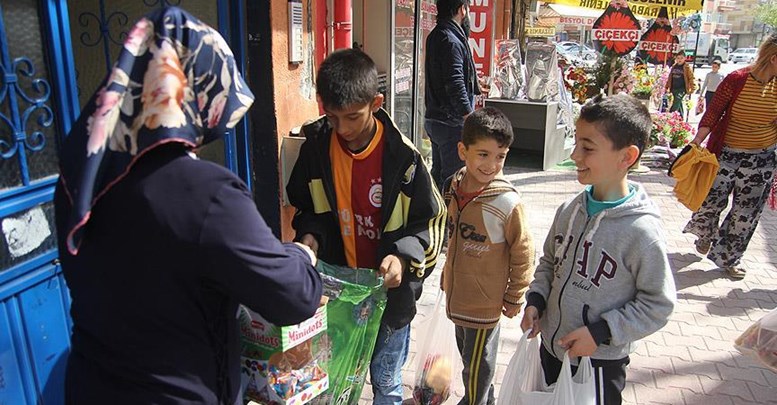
577,80
670,130
643,82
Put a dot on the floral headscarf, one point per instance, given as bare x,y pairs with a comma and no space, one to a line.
176,80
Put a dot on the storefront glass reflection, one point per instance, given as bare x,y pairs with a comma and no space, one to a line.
404,33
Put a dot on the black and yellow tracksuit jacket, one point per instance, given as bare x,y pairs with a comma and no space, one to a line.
412,211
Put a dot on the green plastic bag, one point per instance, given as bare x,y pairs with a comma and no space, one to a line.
357,300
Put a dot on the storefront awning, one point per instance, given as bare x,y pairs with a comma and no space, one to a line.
572,15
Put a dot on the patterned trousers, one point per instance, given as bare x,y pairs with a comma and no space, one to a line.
748,174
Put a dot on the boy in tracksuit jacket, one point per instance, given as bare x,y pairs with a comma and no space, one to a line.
490,256
364,198
603,281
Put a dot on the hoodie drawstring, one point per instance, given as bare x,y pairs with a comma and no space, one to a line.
563,246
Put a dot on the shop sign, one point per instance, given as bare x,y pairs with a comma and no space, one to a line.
577,20
617,29
651,46
629,35
481,38
642,8
540,31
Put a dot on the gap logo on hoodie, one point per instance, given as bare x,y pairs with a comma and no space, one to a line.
604,270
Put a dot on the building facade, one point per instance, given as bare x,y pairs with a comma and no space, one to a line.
55,53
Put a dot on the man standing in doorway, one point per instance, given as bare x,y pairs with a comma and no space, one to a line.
451,86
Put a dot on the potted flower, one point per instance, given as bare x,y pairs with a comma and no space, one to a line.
643,83
670,130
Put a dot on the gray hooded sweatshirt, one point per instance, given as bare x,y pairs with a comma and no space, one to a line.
606,271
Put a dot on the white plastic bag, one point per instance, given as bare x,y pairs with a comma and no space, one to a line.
760,340
524,372
436,359
524,382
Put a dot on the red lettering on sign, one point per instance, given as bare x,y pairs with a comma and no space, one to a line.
481,16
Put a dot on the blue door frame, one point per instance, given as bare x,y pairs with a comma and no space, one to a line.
39,101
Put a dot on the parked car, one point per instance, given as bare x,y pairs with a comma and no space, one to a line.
569,47
746,55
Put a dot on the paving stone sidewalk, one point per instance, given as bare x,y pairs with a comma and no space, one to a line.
692,359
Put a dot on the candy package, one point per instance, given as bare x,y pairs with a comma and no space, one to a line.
293,377
283,365
357,299
760,340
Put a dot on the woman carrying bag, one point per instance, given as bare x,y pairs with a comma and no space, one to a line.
741,121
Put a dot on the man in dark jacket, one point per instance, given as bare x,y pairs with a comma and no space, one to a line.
451,85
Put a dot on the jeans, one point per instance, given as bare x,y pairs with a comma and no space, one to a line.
391,349
708,97
445,152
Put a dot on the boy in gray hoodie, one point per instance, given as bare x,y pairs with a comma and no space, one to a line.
604,280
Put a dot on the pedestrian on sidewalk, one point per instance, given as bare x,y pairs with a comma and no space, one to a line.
364,198
741,122
680,82
158,247
604,279
451,85
491,254
711,82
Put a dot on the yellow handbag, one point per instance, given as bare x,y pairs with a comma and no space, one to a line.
695,170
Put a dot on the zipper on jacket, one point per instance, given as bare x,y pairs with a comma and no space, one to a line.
326,173
459,210
452,253
563,287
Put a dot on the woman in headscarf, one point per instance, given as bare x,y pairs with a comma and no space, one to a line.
742,123
157,247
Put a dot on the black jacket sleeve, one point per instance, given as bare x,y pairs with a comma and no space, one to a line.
425,227
306,220
252,265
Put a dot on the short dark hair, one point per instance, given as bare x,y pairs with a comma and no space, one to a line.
716,62
347,77
623,119
446,9
487,123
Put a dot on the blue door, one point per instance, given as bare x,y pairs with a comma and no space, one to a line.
53,55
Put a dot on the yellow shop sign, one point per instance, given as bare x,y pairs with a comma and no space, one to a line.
540,31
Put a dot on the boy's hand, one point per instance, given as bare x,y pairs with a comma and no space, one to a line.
579,342
391,269
309,251
531,320
310,240
512,311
